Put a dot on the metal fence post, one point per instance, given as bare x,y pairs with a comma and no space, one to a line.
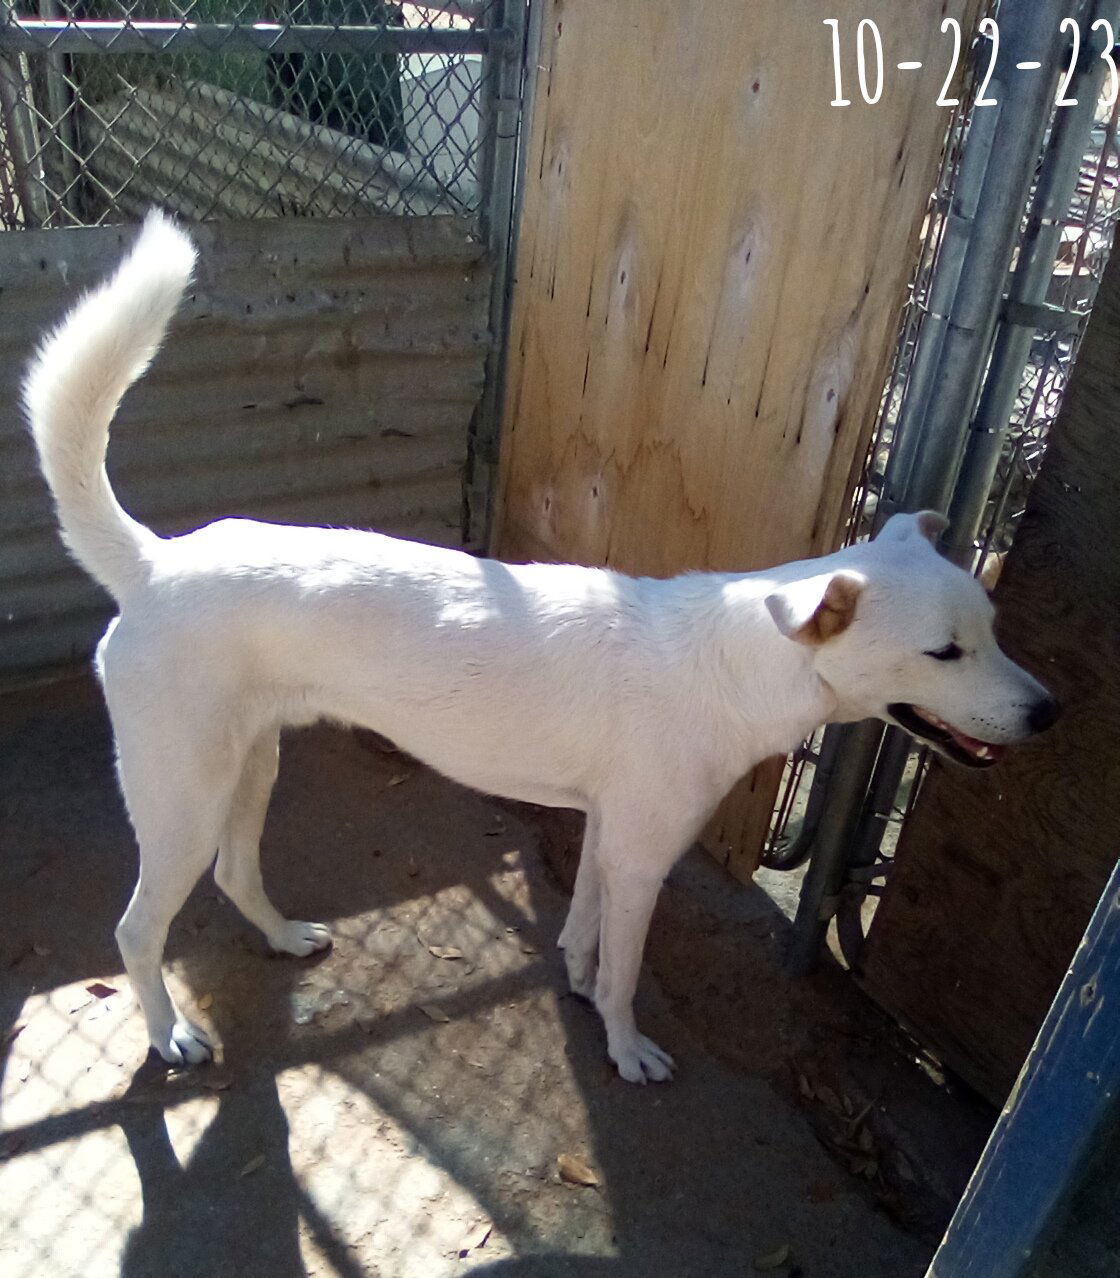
507,90
1024,311
19,125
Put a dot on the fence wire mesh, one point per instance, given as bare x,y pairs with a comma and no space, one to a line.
242,108
1088,230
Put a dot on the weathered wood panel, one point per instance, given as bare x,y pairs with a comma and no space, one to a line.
711,266
319,372
1063,1117
998,872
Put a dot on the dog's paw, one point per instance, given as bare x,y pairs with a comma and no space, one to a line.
582,970
184,1044
300,939
639,1060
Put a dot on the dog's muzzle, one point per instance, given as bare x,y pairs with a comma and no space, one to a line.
950,741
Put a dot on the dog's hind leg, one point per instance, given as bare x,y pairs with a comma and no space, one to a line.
238,868
579,938
177,789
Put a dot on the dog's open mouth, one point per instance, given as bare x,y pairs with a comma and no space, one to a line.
957,745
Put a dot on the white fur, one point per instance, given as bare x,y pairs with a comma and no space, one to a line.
639,702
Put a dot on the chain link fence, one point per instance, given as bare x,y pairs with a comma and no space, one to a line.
244,108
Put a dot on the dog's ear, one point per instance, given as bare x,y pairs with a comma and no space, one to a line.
816,609
929,524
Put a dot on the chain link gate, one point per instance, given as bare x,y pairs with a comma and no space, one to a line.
1061,245
247,109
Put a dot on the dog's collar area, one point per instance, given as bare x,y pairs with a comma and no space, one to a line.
950,741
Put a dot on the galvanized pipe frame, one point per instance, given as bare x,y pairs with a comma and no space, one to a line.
19,125
1025,311
45,35
513,78
1021,314
918,395
868,762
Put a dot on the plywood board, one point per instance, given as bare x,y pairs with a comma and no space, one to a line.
711,266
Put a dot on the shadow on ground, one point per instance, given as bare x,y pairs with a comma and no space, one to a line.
397,1106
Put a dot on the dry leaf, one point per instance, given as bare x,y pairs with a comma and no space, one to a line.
575,1171
207,1000
830,1100
526,948
858,1118
776,1259
253,1165
476,1238
100,990
445,951
401,776
864,1165
434,1013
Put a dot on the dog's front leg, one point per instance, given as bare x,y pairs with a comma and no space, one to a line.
635,851
629,896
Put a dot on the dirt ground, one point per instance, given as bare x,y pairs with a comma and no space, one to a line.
397,1107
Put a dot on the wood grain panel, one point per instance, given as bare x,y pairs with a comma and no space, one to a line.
711,266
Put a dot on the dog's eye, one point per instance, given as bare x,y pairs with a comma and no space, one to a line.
951,652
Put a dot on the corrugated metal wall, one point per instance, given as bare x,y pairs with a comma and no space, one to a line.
319,373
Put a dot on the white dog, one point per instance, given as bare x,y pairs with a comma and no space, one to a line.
639,702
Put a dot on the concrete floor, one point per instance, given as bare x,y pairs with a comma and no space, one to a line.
377,1110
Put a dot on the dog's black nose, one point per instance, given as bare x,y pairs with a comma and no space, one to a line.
1044,714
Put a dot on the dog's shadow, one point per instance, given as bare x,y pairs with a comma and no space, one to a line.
358,832
352,827
203,1214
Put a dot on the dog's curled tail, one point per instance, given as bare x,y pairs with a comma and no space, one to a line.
74,385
